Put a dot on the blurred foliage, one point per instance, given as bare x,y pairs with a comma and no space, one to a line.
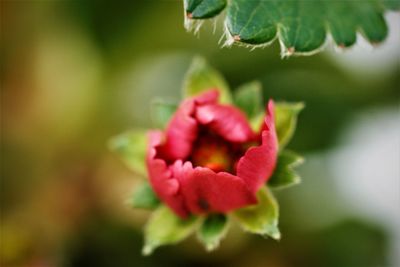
74,73
348,244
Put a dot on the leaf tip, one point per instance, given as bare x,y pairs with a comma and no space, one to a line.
286,51
274,232
211,246
299,106
300,161
277,236
236,38
147,250
290,51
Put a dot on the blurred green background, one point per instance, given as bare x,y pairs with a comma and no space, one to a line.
75,73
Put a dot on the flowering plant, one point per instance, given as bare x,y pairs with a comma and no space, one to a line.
214,158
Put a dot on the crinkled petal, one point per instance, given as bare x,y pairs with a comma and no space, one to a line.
207,97
181,133
258,163
227,121
205,191
165,186
182,129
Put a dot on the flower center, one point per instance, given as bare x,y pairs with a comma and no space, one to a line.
213,152
210,154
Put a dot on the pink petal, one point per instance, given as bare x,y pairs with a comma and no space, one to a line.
182,129
165,186
205,191
207,97
227,121
181,133
258,163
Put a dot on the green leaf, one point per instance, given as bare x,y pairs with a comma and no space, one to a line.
201,77
248,97
301,26
164,227
392,4
203,8
286,121
261,218
284,174
144,197
161,112
213,229
131,147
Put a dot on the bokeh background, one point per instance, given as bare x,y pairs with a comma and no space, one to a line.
75,73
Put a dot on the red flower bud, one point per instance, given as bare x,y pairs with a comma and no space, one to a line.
204,161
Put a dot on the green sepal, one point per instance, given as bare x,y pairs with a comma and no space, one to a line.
261,218
213,230
161,112
131,147
202,77
286,120
144,197
284,174
248,97
257,121
165,227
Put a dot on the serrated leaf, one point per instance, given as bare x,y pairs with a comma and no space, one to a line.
131,147
201,77
248,97
161,112
261,218
302,26
213,229
286,121
284,174
164,228
144,197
